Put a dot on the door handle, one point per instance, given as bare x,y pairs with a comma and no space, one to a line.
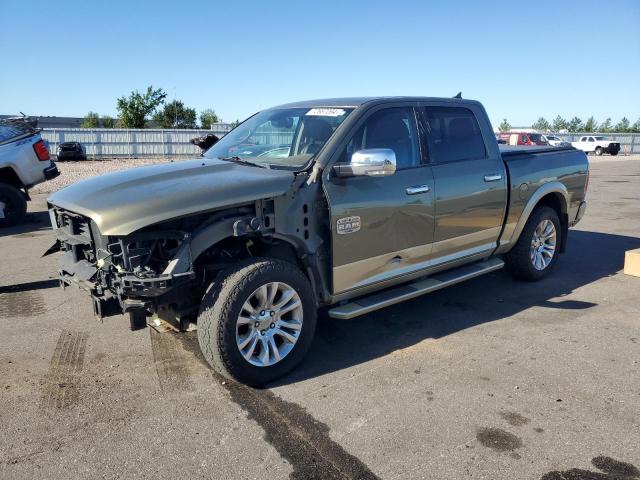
417,189
494,177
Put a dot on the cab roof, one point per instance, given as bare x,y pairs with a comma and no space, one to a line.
358,101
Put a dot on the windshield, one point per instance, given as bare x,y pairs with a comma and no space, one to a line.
535,137
285,138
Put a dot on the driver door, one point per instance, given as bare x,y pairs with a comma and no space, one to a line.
382,226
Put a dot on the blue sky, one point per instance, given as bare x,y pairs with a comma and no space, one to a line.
522,60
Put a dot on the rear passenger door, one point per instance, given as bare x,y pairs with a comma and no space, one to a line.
470,185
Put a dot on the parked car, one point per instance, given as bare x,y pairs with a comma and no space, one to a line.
358,216
70,151
523,138
24,162
597,144
555,141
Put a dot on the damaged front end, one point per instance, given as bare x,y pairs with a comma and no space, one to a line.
129,274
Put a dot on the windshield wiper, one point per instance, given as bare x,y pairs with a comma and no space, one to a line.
242,161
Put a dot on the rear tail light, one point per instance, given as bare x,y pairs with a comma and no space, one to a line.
42,152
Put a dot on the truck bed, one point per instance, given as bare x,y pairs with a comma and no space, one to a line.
514,151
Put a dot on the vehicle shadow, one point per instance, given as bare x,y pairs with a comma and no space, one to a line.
341,344
33,222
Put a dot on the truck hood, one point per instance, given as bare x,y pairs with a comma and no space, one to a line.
125,201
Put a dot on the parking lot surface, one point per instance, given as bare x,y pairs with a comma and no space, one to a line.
491,378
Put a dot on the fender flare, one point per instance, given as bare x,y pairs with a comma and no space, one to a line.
554,187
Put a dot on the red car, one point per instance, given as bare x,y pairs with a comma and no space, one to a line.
523,138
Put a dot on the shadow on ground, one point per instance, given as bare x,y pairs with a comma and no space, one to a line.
341,344
33,223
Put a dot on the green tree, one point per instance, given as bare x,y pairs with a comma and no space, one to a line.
622,126
605,127
504,126
176,115
91,120
208,117
635,128
108,122
542,125
591,125
558,124
575,125
135,109
235,124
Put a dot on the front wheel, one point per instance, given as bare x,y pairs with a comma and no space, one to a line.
536,251
257,320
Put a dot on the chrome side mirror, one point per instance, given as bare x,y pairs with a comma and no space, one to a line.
372,162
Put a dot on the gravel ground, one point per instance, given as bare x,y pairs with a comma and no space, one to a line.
72,172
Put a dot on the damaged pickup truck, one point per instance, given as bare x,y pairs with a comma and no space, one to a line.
350,204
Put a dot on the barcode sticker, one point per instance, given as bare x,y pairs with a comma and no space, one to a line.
326,112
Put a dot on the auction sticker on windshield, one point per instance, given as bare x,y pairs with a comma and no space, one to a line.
326,112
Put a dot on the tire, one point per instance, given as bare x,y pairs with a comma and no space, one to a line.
520,260
13,205
598,151
614,153
221,331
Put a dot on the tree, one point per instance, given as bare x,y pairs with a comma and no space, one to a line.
622,126
176,115
559,123
504,126
591,125
91,120
575,125
135,109
542,125
235,124
605,127
108,122
635,128
207,118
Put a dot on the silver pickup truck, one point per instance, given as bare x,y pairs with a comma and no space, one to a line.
348,204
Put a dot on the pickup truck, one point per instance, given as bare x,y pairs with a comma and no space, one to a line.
597,144
24,162
370,202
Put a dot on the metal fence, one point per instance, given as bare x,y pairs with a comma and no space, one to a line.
118,142
629,142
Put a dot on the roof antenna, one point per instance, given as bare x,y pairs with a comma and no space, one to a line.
459,95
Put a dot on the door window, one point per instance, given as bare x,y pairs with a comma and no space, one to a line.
453,134
392,128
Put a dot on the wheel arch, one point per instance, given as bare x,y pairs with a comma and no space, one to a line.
554,195
10,177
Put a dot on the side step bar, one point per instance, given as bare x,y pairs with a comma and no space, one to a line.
378,300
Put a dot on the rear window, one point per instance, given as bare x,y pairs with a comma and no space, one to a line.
453,134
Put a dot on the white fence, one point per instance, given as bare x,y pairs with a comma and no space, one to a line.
117,142
107,142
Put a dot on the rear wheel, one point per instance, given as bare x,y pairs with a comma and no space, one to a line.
598,151
13,205
614,153
257,320
536,251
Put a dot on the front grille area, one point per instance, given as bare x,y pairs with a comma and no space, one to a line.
78,263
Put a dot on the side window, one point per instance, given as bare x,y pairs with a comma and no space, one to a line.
453,134
591,139
393,128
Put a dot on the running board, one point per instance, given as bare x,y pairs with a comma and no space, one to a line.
378,300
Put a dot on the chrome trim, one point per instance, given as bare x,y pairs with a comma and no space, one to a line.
413,290
417,189
492,178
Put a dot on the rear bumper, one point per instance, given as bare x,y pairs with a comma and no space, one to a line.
579,214
51,172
